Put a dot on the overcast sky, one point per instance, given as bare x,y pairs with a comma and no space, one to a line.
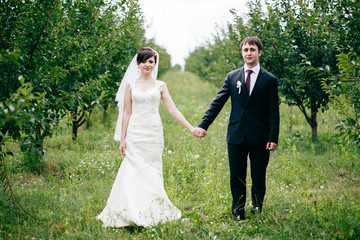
181,25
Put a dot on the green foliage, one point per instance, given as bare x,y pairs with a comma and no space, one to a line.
123,35
164,57
70,56
177,68
307,38
215,59
344,89
313,187
343,84
16,110
198,61
293,33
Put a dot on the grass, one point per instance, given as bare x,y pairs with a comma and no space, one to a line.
313,187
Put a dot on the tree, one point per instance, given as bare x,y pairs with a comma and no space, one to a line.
57,61
19,40
212,61
66,50
293,33
126,35
343,86
344,89
15,112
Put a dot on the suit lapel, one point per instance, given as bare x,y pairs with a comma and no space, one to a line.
244,92
242,77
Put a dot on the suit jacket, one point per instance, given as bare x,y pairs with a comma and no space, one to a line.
255,117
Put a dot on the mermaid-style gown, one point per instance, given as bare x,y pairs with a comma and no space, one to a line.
138,197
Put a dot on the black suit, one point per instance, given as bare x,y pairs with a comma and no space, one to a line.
254,121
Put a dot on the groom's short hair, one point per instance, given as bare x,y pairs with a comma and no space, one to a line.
252,41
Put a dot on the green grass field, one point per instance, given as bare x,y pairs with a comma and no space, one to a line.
313,187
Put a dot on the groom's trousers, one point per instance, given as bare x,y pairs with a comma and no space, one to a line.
259,159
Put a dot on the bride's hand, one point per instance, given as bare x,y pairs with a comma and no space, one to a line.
122,148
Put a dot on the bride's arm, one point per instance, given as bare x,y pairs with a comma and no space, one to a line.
125,120
174,112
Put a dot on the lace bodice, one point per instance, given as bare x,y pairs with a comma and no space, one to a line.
145,105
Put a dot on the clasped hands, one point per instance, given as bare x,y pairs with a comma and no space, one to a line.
199,132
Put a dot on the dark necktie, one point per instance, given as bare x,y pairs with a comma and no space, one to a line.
248,80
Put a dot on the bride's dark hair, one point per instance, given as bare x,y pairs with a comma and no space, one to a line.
144,54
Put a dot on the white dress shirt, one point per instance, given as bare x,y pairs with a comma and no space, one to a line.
253,76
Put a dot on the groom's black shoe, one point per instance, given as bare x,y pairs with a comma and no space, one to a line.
255,210
238,217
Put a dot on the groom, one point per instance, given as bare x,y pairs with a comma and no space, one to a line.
253,128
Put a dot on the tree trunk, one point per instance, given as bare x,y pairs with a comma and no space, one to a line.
39,140
314,124
77,121
105,108
291,116
74,128
314,132
1,139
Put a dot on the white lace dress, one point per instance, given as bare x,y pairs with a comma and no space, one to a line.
138,197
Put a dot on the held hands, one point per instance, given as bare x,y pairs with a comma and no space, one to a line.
271,146
199,132
122,148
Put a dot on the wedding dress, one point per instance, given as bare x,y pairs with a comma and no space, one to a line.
138,197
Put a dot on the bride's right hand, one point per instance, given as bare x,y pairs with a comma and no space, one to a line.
122,148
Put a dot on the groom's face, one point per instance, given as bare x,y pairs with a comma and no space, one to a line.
250,54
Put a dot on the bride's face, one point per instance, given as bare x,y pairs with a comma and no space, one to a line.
147,66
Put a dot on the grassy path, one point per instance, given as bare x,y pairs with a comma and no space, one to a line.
313,187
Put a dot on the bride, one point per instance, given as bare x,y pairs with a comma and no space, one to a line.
138,197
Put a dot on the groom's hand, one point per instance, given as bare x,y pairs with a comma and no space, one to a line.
271,146
199,132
